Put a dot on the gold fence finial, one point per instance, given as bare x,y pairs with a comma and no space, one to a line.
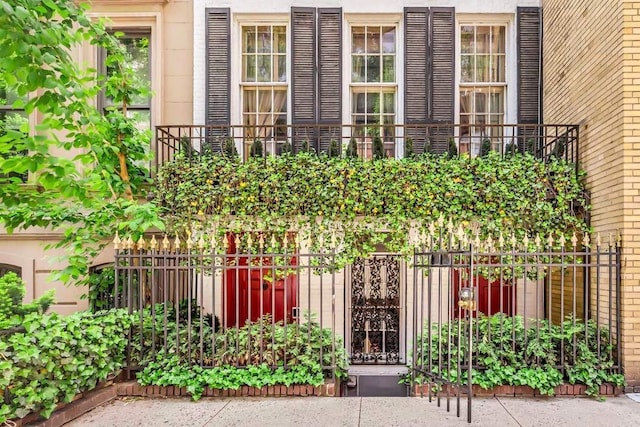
501,240
225,241
550,240
618,237
249,240
450,226
525,243
176,243
514,241
237,242
574,239
201,243
598,239
460,233
440,221
153,243
537,241
476,240
165,243
562,240
130,243
142,244
117,242
261,242
490,243
586,241
273,241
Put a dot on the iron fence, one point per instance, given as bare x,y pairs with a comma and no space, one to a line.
245,299
545,141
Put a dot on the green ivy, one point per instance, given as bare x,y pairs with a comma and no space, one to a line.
506,352
12,309
349,201
57,357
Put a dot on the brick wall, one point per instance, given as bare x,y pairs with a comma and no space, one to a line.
591,69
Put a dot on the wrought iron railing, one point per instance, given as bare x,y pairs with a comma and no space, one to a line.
240,300
542,140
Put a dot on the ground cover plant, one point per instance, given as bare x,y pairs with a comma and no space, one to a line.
541,354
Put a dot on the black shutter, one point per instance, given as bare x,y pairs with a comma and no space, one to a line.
329,102
303,73
218,74
529,60
442,31
416,69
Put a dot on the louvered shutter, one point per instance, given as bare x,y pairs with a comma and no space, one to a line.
218,75
329,102
442,40
416,69
529,82
303,74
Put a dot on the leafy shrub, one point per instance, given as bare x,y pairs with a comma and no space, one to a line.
57,357
352,149
12,309
314,194
256,149
508,353
378,148
256,354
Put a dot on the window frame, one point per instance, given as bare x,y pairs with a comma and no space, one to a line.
509,85
130,32
380,21
272,144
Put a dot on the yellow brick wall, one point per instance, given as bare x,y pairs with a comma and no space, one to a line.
592,78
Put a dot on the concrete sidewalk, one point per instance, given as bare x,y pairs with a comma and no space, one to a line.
365,411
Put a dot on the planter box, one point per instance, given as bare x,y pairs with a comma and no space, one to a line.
570,390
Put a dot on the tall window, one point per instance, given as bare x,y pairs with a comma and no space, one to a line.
12,118
137,44
373,86
264,84
483,85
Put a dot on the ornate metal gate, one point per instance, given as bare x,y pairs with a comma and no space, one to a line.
375,310
443,303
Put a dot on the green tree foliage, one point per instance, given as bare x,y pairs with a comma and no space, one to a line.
485,147
87,170
230,149
334,150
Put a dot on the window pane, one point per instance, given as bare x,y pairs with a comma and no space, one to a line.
483,39
141,118
498,65
388,69
249,39
357,40
249,101
498,40
481,102
280,68
389,106
138,48
389,39
249,67
467,65
264,101
466,39
279,100
373,40
358,119
13,120
497,101
264,39
264,68
373,103
280,39
357,73
359,103
482,68
373,69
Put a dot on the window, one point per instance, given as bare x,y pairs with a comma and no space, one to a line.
264,85
373,86
8,268
483,86
137,44
12,118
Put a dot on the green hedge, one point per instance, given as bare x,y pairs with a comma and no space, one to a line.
516,194
57,357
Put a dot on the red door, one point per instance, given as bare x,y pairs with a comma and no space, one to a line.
251,291
491,297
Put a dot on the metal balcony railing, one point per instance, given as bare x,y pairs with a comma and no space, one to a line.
544,141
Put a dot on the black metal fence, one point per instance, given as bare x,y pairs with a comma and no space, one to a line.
545,141
249,299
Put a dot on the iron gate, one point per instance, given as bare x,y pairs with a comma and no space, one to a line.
443,306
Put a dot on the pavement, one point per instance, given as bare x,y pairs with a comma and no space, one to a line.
364,411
